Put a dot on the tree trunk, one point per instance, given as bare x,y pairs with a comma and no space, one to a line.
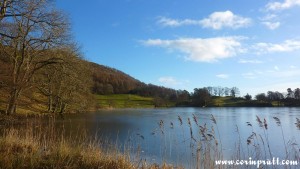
50,103
62,108
3,9
56,105
11,107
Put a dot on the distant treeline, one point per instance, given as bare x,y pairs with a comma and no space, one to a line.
205,96
289,98
111,81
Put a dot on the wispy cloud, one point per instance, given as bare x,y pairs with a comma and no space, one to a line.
286,46
164,21
223,76
216,20
250,61
270,21
274,6
268,17
202,50
271,25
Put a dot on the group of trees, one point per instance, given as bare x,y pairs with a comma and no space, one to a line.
107,80
199,97
290,98
202,96
223,91
39,61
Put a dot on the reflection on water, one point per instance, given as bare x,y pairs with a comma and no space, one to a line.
161,137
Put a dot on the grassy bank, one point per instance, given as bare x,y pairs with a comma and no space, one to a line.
124,101
229,101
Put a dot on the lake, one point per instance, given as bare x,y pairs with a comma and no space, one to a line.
173,135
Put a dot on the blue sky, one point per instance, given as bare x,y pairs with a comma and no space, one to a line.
253,45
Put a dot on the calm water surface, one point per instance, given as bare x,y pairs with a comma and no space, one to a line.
150,130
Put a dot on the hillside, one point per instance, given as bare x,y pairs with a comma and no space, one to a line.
108,80
124,101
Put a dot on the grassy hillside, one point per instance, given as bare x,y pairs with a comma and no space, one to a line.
124,101
236,102
27,104
226,101
135,101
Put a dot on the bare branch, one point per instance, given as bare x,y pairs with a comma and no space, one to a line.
8,36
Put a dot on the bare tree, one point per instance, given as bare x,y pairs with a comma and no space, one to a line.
226,91
297,93
3,7
34,27
234,91
220,91
7,9
67,84
215,91
210,90
290,93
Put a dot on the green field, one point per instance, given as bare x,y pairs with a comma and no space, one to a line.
229,101
135,101
226,101
124,101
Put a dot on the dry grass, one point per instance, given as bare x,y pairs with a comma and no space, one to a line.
33,146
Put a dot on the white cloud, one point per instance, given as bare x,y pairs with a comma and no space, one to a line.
250,61
175,23
223,76
276,68
270,21
268,17
216,20
274,6
286,46
202,50
271,25
219,20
